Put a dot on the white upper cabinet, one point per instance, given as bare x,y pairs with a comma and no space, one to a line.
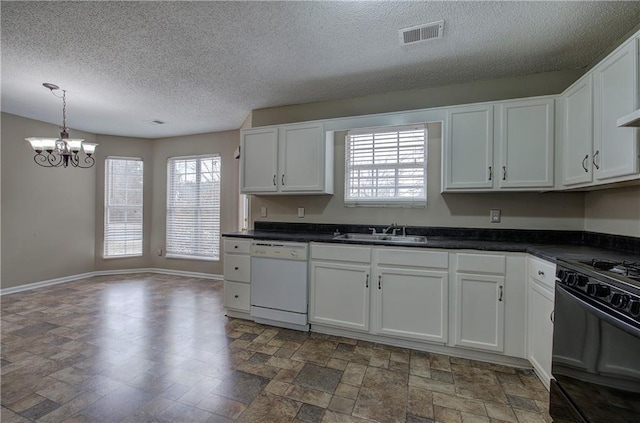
259,166
501,146
577,127
469,148
526,143
290,159
615,95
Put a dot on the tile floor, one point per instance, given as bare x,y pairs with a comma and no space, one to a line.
157,348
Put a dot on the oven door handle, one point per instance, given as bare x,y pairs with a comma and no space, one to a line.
620,324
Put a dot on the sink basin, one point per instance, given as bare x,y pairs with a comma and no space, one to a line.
409,239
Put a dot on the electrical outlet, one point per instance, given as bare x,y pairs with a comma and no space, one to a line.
496,215
300,211
263,211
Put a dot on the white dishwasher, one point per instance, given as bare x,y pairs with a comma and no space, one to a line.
279,285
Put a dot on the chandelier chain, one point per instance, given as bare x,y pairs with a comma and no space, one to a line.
64,110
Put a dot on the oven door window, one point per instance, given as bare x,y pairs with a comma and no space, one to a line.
596,359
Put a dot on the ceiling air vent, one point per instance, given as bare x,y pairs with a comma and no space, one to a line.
419,33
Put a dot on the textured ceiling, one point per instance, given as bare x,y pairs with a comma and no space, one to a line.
203,66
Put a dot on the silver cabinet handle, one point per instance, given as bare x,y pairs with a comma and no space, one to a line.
490,173
274,180
594,159
379,281
540,273
504,173
552,316
366,284
283,179
500,297
584,161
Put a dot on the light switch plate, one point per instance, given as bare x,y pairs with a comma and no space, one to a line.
300,211
263,211
496,215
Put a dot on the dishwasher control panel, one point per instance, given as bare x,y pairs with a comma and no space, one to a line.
280,250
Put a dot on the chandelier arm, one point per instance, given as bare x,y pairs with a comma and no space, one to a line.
42,160
88,160
55,160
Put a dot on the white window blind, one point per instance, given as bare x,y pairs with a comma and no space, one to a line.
123,192
386,167
193,207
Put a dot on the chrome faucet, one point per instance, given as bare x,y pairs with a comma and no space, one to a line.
394,228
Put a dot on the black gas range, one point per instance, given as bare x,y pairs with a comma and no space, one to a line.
596,342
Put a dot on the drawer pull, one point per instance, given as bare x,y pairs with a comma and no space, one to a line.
552,316
366,283
584,161
235,246
379,281
236,296
500,297
540,273
236,268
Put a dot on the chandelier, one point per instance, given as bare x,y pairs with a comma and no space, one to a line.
63,151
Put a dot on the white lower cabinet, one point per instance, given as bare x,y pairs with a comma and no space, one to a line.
480,311
480,301
237,274
340,281
404,293
339,295
412,303
540,317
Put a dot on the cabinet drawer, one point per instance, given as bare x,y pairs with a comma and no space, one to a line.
482,263
340,253
543,271
237,267
412,257
236,296
237,246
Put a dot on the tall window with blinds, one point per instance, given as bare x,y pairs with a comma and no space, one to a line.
123,195
193,207
386,167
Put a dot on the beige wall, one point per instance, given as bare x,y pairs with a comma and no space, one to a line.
123,147
519,210
52,219
48,215
223,143
613,211
472,92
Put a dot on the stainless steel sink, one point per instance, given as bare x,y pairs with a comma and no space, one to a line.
383,238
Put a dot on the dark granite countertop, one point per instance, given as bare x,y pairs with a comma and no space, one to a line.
547,245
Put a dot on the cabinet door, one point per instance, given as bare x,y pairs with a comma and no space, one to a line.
412,304
259,160
540,330
615,95
578,133
339,295
526,144
468,151
302,158
480,312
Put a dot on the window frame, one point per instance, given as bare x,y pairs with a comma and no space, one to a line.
395,201
216,221
108,208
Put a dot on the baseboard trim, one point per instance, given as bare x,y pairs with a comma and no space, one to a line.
71,278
